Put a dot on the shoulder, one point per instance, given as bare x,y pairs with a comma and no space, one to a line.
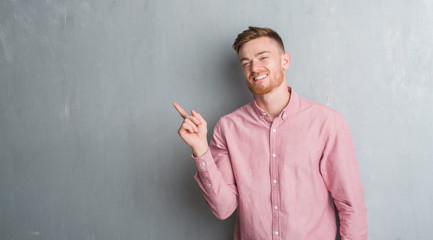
317,114
318,110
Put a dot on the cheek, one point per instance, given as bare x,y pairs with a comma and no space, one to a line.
277,67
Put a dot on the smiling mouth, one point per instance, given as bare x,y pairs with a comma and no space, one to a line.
258,78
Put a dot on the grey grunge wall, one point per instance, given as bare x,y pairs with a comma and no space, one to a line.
88,137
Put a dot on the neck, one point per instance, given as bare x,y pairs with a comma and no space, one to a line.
274,102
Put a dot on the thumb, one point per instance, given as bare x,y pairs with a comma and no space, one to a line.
197,115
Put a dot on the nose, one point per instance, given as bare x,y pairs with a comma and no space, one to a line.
255,66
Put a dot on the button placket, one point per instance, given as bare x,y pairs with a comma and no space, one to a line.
274,176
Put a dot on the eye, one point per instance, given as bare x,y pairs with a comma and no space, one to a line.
245,64
264,58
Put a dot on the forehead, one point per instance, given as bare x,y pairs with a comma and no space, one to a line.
258,45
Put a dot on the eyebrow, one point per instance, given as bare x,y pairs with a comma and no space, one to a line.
257,54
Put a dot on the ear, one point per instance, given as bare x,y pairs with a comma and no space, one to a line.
285,60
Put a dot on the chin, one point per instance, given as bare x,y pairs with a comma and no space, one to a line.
260,91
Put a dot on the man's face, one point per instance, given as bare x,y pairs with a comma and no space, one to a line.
263,64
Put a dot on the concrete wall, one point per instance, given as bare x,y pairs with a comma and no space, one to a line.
88,137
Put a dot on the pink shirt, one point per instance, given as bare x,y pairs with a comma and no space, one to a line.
284,176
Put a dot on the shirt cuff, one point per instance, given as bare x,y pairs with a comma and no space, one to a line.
204,162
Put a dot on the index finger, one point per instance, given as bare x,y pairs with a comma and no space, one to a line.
182,112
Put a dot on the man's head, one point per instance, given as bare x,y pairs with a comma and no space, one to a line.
263,59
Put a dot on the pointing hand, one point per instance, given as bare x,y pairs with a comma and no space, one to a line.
193,131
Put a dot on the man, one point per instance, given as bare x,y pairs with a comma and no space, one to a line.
282,161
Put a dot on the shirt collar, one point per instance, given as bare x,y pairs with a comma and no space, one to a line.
291,107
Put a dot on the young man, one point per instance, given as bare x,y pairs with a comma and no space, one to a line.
282,161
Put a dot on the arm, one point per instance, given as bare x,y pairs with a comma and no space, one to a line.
215,177
341,175
214,173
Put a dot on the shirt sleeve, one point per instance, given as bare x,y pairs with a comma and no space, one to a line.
215,177
340,173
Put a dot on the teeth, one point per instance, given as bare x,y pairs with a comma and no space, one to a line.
260,77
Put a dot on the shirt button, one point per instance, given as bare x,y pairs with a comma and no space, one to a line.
209,185
275,207
274,130
274,155
203,164
274,181
276,232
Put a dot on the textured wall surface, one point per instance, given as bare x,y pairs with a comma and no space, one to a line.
88,137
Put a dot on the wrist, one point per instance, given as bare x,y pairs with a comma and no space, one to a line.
200,151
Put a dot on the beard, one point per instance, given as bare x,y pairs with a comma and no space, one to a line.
258,89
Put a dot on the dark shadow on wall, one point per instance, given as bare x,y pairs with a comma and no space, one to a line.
338,223
235,80
232,90
197,206
231,93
